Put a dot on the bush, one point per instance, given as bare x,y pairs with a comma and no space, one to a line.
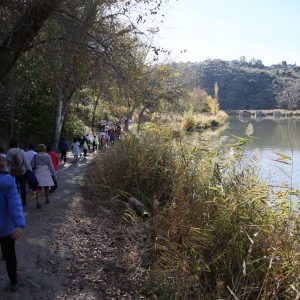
139,166
189,121
219,232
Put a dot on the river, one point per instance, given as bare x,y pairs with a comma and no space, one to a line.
271,137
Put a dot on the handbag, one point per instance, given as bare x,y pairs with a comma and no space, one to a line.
31,180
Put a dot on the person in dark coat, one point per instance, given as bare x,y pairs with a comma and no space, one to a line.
63,148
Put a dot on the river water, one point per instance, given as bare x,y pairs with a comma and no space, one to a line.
273,140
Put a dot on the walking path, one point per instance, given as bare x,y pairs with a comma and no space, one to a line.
69,250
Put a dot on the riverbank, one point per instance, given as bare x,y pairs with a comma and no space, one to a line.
213,231
264,113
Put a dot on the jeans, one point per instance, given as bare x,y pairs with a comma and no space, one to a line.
9,255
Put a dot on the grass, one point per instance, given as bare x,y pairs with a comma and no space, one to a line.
203,121
217,231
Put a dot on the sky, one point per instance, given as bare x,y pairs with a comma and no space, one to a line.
228,29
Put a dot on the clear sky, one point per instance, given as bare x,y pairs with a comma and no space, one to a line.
227,29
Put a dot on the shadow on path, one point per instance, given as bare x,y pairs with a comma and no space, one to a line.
39,252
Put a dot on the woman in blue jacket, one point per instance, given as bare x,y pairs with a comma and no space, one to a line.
12,222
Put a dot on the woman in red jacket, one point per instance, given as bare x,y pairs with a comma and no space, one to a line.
55,161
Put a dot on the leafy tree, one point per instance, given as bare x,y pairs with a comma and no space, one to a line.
213,105
197,100
290,97
216,91
23,32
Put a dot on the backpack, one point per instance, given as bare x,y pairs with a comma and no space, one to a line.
16,168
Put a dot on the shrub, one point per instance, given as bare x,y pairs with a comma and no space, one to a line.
189,121
219,233
142,166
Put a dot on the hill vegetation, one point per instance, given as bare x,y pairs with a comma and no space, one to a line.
245,84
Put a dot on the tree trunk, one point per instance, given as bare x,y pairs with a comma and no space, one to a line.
63,103
94,112
127,120
59,118
24,31
126,125
13,103
140,118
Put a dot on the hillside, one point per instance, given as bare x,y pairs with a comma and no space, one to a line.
242,84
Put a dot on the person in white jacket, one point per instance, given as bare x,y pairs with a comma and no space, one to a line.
15,153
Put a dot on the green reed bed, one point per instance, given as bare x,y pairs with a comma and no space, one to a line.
219,233
200,121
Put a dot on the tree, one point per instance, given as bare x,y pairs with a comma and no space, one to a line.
197,100
289,98
83,45
216,91
26,28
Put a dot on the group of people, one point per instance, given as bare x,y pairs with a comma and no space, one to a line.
108,134
38,168
17,168
40,163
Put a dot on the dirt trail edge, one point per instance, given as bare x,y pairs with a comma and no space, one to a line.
68,252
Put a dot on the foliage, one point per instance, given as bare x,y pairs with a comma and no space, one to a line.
213,105
242,84
73,126
84,46
197,100
289,98
192,121
218,233
123,168
189,121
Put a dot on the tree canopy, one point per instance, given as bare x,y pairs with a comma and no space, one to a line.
64,62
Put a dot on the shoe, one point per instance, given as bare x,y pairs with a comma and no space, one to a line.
39,206
47,202
14,287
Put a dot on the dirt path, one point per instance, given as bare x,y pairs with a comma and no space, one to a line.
69,251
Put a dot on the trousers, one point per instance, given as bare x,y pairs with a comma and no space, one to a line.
9,254
21,185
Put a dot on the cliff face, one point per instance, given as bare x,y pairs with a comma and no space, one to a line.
242,85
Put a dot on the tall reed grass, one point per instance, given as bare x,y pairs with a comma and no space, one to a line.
219,233
201,121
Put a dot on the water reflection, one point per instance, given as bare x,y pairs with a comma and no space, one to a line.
272,136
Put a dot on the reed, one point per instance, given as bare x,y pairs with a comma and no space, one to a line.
218,232
204,120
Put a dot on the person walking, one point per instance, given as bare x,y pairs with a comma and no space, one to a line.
17,165
63,148
95,143
30,153
76,149
12,222
85,148
43,169
55,161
